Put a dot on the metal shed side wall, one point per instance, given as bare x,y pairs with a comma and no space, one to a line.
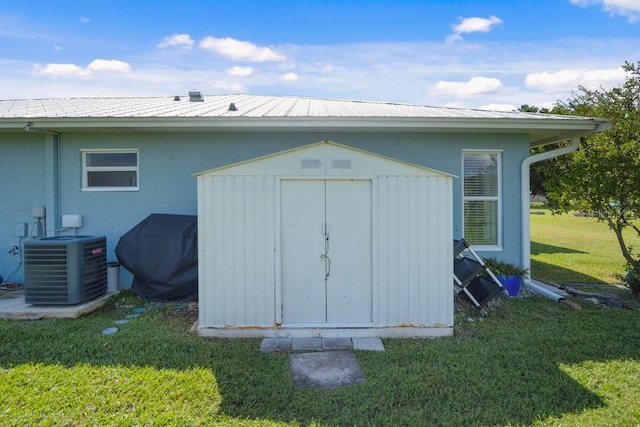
236,250
413,250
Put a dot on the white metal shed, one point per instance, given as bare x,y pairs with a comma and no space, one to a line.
325,240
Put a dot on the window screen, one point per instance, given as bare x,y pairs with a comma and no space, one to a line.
482,198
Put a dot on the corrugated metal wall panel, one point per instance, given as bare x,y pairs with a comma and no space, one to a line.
237,281
240,253
414,260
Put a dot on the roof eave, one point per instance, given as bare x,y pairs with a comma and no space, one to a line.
541,131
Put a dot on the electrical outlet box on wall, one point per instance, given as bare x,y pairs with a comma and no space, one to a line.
71,221
22,229
38,212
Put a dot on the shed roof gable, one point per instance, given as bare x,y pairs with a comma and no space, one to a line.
325,158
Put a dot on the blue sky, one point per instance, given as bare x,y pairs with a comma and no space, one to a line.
479,54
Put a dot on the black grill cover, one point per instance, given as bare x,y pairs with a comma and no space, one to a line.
162,253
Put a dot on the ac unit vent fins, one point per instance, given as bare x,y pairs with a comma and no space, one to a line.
65,270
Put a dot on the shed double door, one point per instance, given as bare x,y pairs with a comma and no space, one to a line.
326,252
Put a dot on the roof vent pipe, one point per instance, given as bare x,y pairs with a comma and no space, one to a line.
232,107
176,98
195,96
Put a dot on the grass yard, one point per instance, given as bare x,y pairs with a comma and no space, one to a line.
572,249
530,362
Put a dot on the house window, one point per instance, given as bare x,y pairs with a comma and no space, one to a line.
482,202
110,170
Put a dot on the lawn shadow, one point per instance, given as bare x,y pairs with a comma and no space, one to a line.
542,248
553,274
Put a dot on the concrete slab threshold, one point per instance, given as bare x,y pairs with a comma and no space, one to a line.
14,307
321,344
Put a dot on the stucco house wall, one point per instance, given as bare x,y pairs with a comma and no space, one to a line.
41,158
167,161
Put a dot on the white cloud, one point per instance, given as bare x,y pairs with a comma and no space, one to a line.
473,25
73,70
229,86
85,20
498,107
176,40
57,48
240,50
109,65
325,68
570,79
61,70
628,8
289,77
240,71
476,86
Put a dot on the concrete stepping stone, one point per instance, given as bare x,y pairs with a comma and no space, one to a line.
325,370
368,344
275,344
335,344
306,344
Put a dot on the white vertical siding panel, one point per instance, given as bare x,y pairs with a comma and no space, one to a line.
414,236
257,250
203,272
390,251
238,314
213,265
249,282
440,303
414,253
403,255
266,276
433,222
387,231
380,275
237,281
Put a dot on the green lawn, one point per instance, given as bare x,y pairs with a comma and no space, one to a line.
530,362
573,249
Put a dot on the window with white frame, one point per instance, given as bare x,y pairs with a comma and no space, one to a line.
110,170
481,197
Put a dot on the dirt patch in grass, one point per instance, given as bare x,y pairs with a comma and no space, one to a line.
187,311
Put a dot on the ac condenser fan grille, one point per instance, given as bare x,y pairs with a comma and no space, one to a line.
64,270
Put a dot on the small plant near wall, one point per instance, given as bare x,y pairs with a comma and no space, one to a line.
510,275
503,268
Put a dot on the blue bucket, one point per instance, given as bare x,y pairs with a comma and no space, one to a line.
511,284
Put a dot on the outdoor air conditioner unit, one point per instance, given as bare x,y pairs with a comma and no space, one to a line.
65,270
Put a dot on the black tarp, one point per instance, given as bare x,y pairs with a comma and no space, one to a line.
162,254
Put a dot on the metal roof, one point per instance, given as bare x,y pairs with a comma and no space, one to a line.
276,112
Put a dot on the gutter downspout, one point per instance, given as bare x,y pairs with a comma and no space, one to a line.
525,176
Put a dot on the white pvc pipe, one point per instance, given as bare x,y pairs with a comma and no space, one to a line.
541,290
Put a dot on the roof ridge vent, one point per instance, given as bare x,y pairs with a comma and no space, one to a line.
195,96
